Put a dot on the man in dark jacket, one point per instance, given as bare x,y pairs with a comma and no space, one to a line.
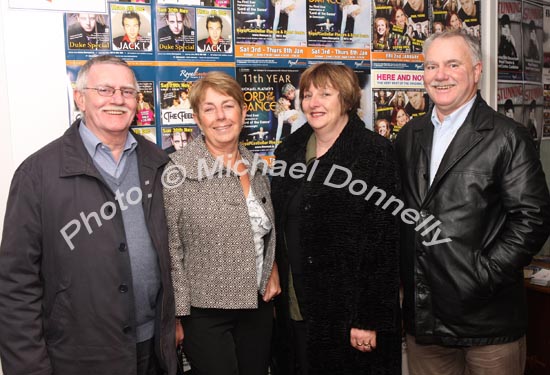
85,283
483,210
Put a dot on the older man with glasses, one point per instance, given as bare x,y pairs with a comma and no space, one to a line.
85,283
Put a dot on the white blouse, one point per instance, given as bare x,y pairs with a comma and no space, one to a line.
261,225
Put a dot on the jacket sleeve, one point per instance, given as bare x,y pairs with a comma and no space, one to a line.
377,306
172,180
22,343
526,202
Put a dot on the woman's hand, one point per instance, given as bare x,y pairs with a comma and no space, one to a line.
363,340
273,288
179,332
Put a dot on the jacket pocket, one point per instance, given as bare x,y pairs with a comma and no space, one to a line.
57,312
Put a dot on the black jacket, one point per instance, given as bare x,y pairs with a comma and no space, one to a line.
491,199
349,255
70,311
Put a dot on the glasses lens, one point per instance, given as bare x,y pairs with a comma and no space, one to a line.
109,91
128,93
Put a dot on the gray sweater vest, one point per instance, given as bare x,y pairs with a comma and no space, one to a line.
143,257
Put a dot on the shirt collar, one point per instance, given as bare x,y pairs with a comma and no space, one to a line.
127,38
92,142
457,117
210,41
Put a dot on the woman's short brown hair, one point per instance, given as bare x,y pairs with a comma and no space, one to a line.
340,77
217,81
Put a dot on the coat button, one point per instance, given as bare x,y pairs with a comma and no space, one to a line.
264,200
123,288
309,260
424,214
126,329
122,247
307,207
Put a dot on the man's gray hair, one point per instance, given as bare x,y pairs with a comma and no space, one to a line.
471,41
82,78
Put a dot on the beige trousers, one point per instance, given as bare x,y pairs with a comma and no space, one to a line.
502,359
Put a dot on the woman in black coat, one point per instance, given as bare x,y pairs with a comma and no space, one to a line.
336,241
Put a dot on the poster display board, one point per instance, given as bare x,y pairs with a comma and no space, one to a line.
265,45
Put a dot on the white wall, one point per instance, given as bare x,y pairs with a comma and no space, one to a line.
33,96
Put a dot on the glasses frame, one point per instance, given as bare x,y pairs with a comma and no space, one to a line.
106,91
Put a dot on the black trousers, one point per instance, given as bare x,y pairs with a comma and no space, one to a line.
299,330
147,363
229,342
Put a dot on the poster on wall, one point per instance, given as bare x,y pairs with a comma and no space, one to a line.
174,83
88,31
394,108
510,100
532,42
174,138
149,133
365,108
397,95
175,32
417,12
510,43
214,32
546,117
131,30
145,112
546,45
355,30
271,22
399,28
172,43
87,34
533,102
546,73
440,11
469,13
253,24
273,104
174,103
322,23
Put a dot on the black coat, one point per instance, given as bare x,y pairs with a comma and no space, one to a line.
491,199
349,257
70,311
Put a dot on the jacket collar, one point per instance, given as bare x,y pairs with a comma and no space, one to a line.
75,159
466,138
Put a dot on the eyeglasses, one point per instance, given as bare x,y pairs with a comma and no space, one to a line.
109,91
